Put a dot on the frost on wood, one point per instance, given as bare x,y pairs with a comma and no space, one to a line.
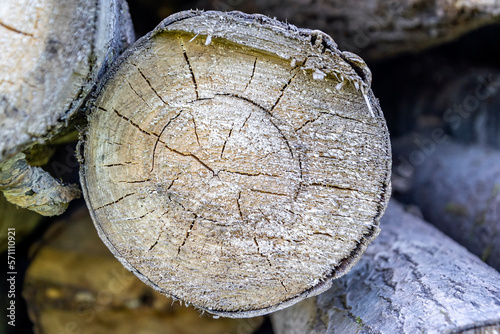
412,279
53,52
224,173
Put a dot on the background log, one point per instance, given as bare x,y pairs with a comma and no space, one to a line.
457,188
376,29
244,153
53,52
75,285
412,279
24,221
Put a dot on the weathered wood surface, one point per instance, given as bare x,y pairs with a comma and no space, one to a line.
376,29
75,285
411,279
53,52
236,162
457,188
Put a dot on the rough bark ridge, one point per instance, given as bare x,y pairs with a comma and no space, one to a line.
54,52
411,279
376,29
241,152
457,188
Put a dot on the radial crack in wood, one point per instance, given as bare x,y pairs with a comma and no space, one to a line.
54,53
250,215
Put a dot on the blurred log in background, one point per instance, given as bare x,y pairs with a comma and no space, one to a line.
436,72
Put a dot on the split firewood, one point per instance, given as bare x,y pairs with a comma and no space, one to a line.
376,29
412,279
457,188
75,285
53,52
236,162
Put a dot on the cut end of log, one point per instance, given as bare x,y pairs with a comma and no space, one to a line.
223,171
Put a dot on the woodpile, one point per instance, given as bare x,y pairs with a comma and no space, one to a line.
413,279
238,166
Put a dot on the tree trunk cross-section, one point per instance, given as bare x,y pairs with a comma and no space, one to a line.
236,162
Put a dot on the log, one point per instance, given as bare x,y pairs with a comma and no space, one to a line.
236,162
376,29
412,279
64,48
457,188
75,285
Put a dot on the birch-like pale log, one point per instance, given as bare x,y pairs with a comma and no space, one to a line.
411,279
457,188
53,53
376,29
236,162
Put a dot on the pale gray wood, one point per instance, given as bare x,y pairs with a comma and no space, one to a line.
53,53
236,162
411,279
376,29
457,188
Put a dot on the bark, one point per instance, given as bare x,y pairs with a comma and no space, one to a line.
457,188
412,279
64,48
376,29
74,284
244,153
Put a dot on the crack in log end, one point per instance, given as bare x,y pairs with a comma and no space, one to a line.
285,86
268,192
315,184
159,234
196,131
138,95
190,68
307,122
11,28
131,122
284,138
228,136
187,236
132,182
239,206
114,202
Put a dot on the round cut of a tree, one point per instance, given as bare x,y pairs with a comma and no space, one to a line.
236,162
